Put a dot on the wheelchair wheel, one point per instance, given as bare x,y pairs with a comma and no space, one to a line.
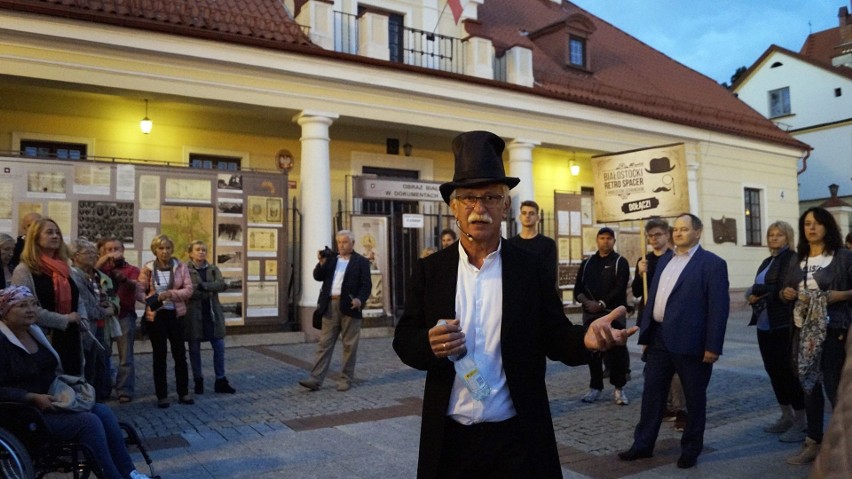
15,462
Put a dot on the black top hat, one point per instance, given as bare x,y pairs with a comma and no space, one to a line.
479,162
660,165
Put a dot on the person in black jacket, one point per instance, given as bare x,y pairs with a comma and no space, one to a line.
346,285
773,318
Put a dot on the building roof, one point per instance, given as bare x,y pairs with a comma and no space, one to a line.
625,74
820,46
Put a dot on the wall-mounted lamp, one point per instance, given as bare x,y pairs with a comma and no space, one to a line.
574,167
146,124
406,148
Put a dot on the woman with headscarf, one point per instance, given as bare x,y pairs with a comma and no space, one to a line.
29,365
44,270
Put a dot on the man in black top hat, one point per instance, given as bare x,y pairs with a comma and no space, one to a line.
500,310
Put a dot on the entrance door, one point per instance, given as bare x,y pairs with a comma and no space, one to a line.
405,244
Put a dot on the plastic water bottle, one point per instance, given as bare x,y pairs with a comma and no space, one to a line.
468,371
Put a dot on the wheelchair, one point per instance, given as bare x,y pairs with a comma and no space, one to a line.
27,451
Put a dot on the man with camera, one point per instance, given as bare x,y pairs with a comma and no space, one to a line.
123,275
346,285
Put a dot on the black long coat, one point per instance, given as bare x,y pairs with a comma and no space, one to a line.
534,327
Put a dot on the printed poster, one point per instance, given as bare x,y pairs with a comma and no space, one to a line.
639,184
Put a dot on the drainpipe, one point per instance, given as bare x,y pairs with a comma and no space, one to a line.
804,163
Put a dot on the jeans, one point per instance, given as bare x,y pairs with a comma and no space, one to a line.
125,374
99,430
333,325
218,345
168,327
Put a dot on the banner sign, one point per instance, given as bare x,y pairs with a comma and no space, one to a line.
638,184
383,189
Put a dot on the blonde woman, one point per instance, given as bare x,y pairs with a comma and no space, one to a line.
205,319
165,287
45,271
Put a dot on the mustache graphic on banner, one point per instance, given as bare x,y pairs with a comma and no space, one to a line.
662,188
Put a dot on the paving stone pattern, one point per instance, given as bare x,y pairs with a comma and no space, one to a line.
274,428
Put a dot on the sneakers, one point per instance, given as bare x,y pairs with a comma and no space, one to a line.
199,385
221,386
782,424
134,474
592,395
670,415
680,421
809,452
163,403
310,383
620,397
343,386
186,399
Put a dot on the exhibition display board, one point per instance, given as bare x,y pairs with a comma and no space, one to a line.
241,215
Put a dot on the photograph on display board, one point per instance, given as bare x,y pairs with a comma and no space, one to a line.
256,209
229,233
371,241
233,282
629,245
6,188
92,179
274,210
229,258
232,309
105,219
184,190
230,207
262,240
185,224
229,183
45,182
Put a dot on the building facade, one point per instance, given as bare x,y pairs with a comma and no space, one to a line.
379,88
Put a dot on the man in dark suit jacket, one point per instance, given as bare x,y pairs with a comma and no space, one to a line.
346,285
683,327
502,310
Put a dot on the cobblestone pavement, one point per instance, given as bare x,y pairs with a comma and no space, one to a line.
274,428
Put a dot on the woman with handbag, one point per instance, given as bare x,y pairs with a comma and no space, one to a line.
205,319
165,287
28,367
819,286
44,270
773,318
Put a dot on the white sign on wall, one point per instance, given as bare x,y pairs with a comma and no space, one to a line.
384,189
411,220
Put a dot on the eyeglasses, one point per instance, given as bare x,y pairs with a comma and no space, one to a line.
656,235
489,201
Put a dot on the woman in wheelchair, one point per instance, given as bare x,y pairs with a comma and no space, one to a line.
28,365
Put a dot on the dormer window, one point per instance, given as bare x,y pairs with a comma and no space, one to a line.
577,51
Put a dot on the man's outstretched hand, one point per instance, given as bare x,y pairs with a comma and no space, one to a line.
601,335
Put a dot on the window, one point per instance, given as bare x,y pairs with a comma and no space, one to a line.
838,92
577,51
214,162
752,217
779,102
53,149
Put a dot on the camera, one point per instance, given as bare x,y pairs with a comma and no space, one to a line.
327,253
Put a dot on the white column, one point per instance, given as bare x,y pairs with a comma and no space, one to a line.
315,201
479,58
520,166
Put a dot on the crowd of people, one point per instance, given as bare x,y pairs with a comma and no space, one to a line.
481,317
87,296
